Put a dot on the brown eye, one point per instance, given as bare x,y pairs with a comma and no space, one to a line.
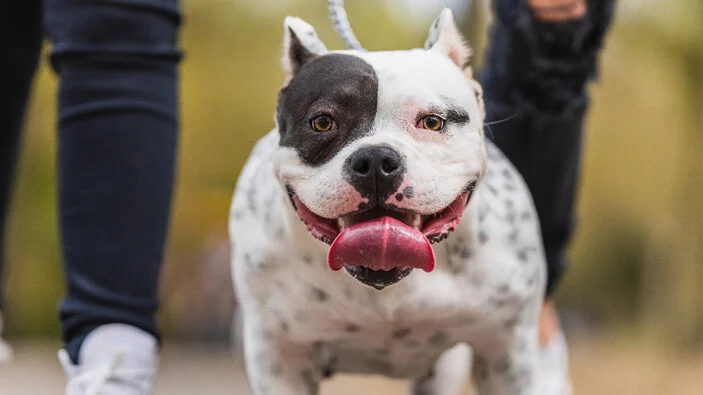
322,123
432,122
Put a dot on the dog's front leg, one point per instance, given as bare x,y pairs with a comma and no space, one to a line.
509,366
448,375
276,366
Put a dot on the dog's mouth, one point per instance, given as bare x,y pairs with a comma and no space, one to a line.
382,244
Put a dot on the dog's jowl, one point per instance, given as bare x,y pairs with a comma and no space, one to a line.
378,165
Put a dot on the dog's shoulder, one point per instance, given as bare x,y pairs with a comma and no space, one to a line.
506,232
255,216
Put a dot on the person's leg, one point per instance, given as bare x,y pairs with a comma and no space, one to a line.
538,64
541,56
20,45
118,121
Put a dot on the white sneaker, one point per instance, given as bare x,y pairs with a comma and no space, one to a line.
5,349
115,359
554,360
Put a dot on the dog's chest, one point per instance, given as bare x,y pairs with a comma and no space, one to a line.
398,332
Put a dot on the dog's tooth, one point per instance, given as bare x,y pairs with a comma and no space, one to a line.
340,223
417,221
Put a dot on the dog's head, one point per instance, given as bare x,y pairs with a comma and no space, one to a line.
379,151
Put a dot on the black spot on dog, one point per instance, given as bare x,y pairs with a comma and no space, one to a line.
522,255
238,214
507,174
525,216
284,326
482,237
457,116
509,203
409,192
307,259
480,368
251,197
466,253
352,328
503,288
492,189
343,87
401,333
319,294
399,197
309,381
502,366
497,302
438,338
513,236
511,323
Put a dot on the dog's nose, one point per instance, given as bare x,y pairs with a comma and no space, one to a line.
375,171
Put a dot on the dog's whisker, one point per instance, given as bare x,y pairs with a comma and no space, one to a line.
490,131
500,120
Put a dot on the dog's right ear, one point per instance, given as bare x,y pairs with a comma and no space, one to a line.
300,44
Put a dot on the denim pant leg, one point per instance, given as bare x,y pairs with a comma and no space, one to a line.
118,124
20,45
535,80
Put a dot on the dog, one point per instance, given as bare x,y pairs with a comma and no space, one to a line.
378,165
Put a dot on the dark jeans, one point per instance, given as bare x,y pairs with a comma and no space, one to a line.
118,122
534,82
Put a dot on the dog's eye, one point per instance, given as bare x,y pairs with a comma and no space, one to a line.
431,122
322,123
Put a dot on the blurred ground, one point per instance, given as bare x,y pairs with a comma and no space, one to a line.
597,367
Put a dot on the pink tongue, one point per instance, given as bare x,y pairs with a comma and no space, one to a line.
381,244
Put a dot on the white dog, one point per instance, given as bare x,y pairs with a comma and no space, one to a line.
379,165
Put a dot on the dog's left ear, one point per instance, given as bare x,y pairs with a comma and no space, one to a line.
300,44
446,39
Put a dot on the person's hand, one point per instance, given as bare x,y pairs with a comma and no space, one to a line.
558,10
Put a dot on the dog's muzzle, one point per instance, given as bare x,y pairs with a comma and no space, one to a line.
379,245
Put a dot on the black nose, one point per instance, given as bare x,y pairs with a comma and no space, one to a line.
375,171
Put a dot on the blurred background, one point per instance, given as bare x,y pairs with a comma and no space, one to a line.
632,302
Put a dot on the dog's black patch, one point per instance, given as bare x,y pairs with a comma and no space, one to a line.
457,115
401,333
343,87
319,294
480,368
309,381
409,192
438,338
502,365
482,237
